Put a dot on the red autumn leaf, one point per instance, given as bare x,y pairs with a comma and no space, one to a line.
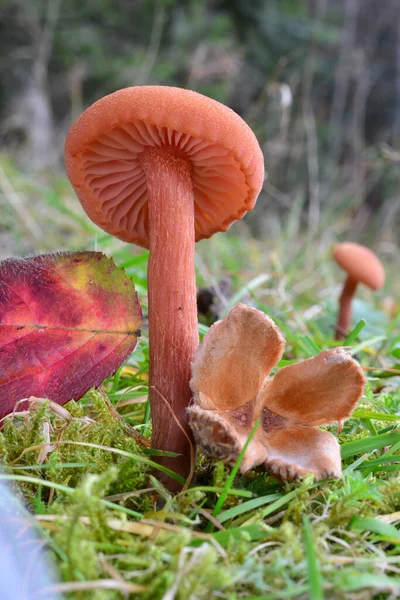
67,321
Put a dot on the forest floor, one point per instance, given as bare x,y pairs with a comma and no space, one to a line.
115,532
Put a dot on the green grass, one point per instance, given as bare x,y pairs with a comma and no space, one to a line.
115,532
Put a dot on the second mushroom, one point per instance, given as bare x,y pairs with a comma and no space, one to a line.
232,390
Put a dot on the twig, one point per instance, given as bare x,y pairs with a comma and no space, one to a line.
154,44
112,572
45,41
131,431
192,452
212,519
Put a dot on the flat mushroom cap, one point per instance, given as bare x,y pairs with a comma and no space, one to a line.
360,263
104,145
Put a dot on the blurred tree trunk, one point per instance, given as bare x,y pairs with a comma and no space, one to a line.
30,114
396,128
343,76
375,101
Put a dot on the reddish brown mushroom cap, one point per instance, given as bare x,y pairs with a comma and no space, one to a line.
360,263
103,151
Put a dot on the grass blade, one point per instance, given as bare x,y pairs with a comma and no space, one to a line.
274,506
289,594
314,574
377,339
233,473
240,509
361,413
354,334
384,530
375,442
249,287
66,490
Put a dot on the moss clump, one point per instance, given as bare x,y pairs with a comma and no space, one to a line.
62,450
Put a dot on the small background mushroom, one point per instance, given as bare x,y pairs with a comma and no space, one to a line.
361,266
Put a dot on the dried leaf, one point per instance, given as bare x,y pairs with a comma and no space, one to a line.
235,357
318,390
67,321
232,391
296,450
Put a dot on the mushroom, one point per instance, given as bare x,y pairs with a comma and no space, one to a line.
361,266
164,167
233,390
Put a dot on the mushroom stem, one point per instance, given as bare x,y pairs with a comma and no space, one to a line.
173,328
345,302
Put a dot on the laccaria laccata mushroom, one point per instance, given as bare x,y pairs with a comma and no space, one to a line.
361,266
162,168
232,390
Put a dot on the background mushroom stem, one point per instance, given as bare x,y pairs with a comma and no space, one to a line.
345,303
173,330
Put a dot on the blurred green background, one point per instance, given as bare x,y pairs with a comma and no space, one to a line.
319,83
317,80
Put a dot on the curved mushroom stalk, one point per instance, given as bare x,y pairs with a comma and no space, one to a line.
345,307
361,266
232,393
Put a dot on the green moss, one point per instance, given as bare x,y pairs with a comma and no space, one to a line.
72,443
93,540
